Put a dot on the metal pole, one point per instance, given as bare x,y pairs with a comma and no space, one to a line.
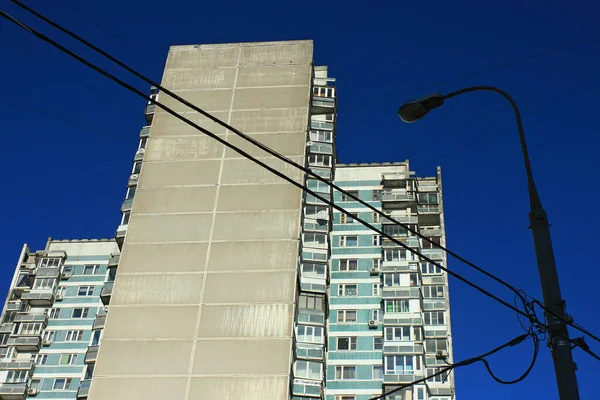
558,341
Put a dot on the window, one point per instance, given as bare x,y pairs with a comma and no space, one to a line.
54,313
377,343
397,306
307,369
23,280
313,270
309,334
125,218
401,365
376,315
85,291
130,192
428,269
60,292
376,218
96,337
347,290
40,359
397,333
310,302
377,240
345,197
348,219
4,338
391,279
376,263
321,91
80,312
428,198
89,371
434,318
74,336
31,328
137,167
44,283
344,397
348,265
377,289
417,333
438,378
394,254
414,279
433,292
397,230
91,269
36,384
16,376
68,359
420,393
50,262
320,136
346,316
378,372
62,384
376,196
433,243
345,372
435,345
315,240
346,343
143,143
49,336
321,160
318,186
348,241
329,117
314,211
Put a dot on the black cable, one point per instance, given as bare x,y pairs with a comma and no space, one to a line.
570,323
255,160
536,349
468,361
259,144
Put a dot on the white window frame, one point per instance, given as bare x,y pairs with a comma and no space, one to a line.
94,268
345,372
314,270
377,240
17,376
436,379
74,336
398,333
323,91
345,242
66,385
136,169
69,358
40,359
44,283
378,346
49,335
435,345
319,160
351,342
317,135
348,264
376,218
305,300
433,318
305,369
408,366
426,269
87,291
397,306
125,217
31,328
434,292
85,311
394,254
391,280
347,290
377,289
376,263
310,334
348,219
378,376
50,262
54,313
344,316
130,192
377,315
315,240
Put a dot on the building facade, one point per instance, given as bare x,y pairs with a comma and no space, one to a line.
53,319
228,282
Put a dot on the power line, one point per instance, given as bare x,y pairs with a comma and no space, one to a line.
468,361
260,163
481,71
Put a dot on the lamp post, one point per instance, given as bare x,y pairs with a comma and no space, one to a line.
559,341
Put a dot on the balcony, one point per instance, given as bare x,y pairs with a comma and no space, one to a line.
25,343
30,267
409,376
120,235
145,132
396,320
16,306
435,305
13,391
395,217
113,260
149,112
21,365
396,198
84,389
405,267
126,205
99,322
43,318
48,272
428,208
139,155
311,353
328,126
321,148
435,254
106,292
91,355
39,297
399,348
307,388
322,105
7,327
431,232
398,292
133,180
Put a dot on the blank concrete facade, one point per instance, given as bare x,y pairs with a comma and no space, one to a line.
203,303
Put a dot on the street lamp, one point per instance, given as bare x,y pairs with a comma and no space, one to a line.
559,341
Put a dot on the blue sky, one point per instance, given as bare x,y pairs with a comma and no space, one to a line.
67,179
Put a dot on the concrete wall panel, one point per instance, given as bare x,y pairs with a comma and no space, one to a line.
175,199
287,144
283,54
138,388
252,256
151,322
157,289
250,287
202,57
169,228
180,173
279,97
251,321
242,356
167,125
218,78
208,100
245,171
240,387
275,121
157,257
186,148
259,197
273,76
257,225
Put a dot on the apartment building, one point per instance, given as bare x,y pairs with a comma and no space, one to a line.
53,319
230,282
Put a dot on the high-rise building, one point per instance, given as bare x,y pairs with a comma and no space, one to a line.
232,283
53,318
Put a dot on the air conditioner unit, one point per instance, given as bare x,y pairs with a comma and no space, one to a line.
374,271
309,143
65,275
46,342
32,392
59,296
373,324
441,355
134,177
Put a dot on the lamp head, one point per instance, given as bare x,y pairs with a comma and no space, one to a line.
414,110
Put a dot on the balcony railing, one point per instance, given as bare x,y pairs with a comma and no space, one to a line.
106,292
13,391
32,318
99,322
408,376
145,132
48,272
84,389
321,125
39,297
400,292
25,365
402,348
91,355
428,208
397,196
126,205
149,112
307,388
30,343
113,260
